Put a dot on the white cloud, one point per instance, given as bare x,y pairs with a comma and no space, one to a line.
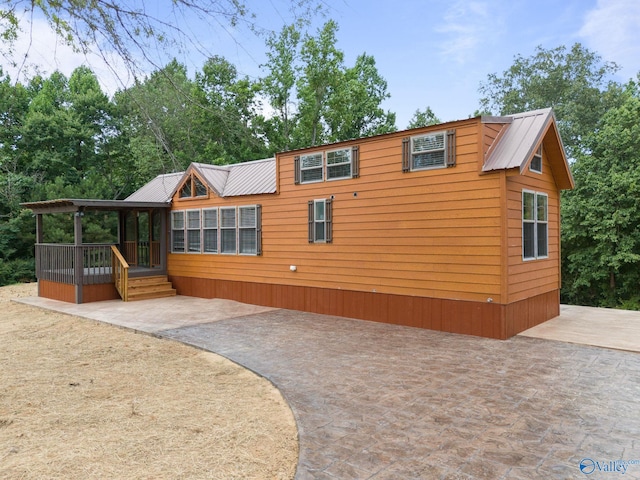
612,29
39,50
467,26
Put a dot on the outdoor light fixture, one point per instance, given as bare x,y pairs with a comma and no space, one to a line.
293,268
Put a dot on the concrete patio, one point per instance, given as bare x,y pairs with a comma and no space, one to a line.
377,401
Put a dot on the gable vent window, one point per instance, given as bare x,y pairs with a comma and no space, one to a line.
193,187
536,161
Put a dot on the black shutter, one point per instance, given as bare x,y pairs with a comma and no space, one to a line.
296,169
310,221
355,162
405,155
258,229
451,148
329,223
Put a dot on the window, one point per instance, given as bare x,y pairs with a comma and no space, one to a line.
339,164
429,151
193,187
228,230
535,228
177,231
320,222
210,230
311,168
193,231
536,161
247,230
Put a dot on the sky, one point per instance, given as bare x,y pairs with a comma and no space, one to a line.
432,53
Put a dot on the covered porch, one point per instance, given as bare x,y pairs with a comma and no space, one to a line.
131,267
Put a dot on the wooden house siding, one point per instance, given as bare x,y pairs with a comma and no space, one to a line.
448,218
527,278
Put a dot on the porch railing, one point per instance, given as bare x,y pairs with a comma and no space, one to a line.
120,269
57,263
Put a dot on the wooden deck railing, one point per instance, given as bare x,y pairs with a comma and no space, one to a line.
120,269
57,263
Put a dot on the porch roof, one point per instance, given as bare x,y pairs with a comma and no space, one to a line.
70,205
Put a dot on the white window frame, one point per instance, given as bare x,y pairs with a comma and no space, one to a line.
304,169
206,229
413,153
349,162
317,221
222,229
536,156
536,222
244,227
188,228
174,214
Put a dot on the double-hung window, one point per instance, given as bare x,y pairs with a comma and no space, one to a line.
228,230
177,231
339,164
320,221
428,151
193,231
311,167
210,230
248,230
535,225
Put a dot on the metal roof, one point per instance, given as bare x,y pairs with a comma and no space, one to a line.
248,178
522,137
251,178
160,189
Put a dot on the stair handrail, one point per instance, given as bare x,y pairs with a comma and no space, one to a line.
120,272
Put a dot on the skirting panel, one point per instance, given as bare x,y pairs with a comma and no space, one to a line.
57,291
99,292
456,316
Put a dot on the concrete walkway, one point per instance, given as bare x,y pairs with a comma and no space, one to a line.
377,401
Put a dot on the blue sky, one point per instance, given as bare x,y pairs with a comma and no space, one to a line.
432,52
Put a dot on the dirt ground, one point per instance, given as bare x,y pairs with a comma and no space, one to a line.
84,400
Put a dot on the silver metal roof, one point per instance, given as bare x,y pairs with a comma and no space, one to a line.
248,178
160,189
522,137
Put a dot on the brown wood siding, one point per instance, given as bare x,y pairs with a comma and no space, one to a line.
57,291
449,219
532,277
483,319
491,132
99,293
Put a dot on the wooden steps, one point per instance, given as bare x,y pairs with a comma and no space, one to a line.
144,288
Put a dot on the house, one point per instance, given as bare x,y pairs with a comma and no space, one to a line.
452,227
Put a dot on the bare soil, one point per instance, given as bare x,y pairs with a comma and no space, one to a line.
84,400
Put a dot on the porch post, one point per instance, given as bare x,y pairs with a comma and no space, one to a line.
163,240
39,239
79,258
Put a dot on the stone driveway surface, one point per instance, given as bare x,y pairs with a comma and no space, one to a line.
377,401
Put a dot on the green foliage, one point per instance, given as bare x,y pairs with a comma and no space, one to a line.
423,119
601,217
576,83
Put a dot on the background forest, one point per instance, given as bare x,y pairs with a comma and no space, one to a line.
65,138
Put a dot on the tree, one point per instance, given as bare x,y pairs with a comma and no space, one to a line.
279,85
576,83
423,119
354,109
601,217
321,73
